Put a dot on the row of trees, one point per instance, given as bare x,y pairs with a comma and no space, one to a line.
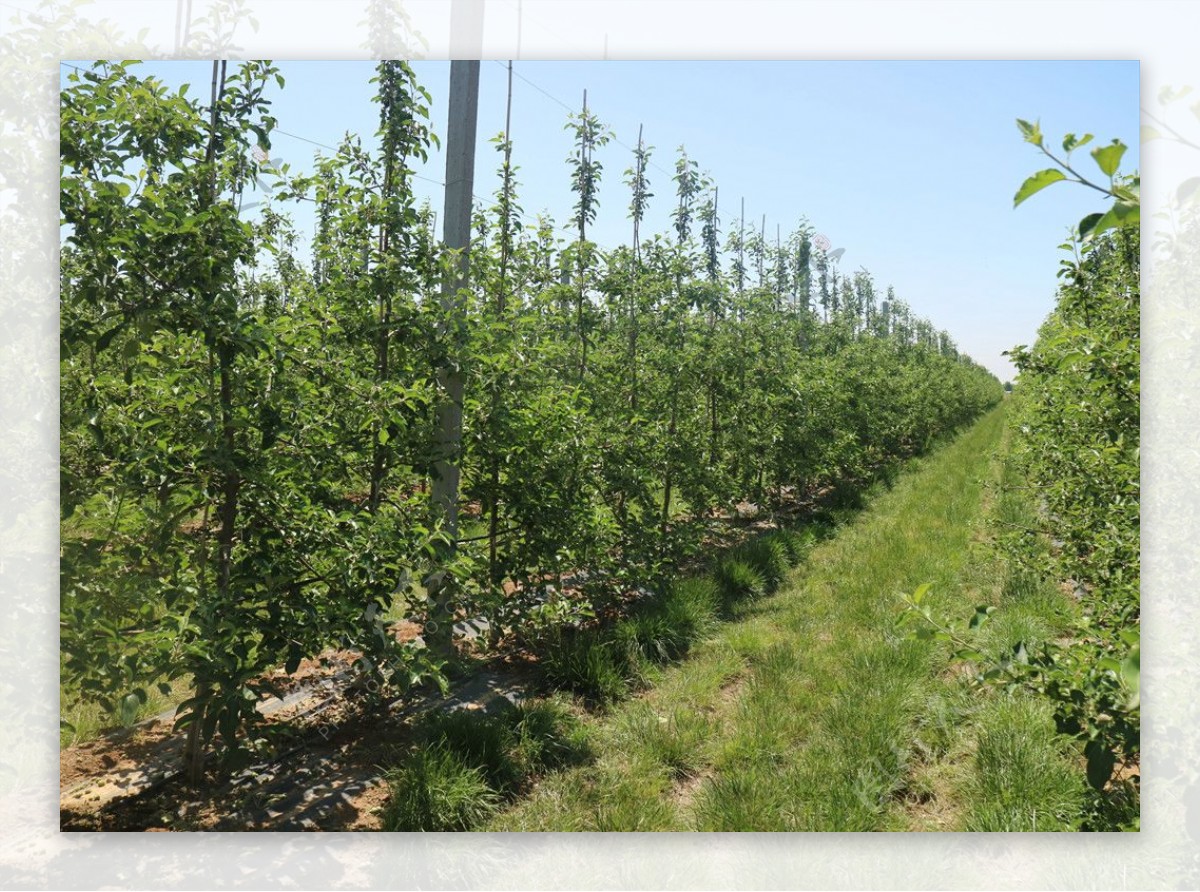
1077,443
248,435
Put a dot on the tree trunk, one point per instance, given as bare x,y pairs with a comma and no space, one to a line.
667,481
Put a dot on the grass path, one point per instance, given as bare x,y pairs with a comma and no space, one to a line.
812,710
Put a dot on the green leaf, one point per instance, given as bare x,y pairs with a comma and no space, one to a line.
982,613
1108,158
227,723
973,656
1031,132
1037,183
920,593
105,339
1187,189
1131,192
1088,223
1131,674
1100,762
1071,143
1070,359
129,709
1122,213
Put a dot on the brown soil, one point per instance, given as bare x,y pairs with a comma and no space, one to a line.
732,689
1126,771
685,789
97,776
123,751
331,784
316,786
327,774
368,806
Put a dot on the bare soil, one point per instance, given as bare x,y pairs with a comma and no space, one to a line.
128,779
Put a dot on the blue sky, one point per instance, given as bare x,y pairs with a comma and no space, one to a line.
909,166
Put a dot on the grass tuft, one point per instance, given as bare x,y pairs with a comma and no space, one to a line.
548,735
739,581
665,629
769,556
589,664
436,790
796,544
1022,781
482,740
750,800
675,741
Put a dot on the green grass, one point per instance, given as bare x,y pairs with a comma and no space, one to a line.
739,580
508,744
768,556
547,735
812,709
1000,757
1021,780
86,719
436,790
603,664
483,743
589,662
672,742
467,763
665,627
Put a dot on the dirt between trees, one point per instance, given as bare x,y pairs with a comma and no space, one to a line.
129,779
332,778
